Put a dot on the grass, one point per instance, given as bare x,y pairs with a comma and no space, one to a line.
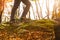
32,25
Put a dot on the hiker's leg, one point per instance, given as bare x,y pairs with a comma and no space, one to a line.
1,16
16,5
57,31
27,3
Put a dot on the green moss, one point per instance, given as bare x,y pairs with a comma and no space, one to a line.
36,25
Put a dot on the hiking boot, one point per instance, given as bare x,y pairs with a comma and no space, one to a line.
12,21
25,19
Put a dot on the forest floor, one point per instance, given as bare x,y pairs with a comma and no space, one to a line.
32,30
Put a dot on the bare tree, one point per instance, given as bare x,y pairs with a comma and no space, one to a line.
40,10
33,11
37,9
1,8
47,7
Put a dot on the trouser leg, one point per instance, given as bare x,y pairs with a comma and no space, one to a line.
16,5
27,3
57,32
1,16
